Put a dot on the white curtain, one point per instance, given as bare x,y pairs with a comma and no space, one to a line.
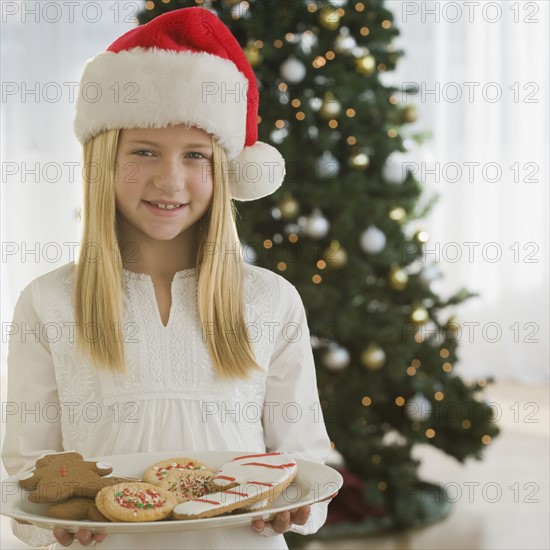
44,46
481,72
476,49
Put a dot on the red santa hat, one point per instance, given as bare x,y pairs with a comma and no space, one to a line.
184,66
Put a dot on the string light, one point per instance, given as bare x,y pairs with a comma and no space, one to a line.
438,396
466,424
486,439
278,43
359,7
289,37
293,238
366,401
393,100
447,367
281,266
386,24
411,371
444,353
415,363
333,123
399,401
280,123
381,485
430,433
316,279
364,31
296,103
259,119
312,8
382,67
149,5
351,140
350,113
283,87
392,133
321,264
300,115
268,243
319,62
330,55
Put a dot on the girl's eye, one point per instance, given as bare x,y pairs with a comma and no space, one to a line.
195,155
143,153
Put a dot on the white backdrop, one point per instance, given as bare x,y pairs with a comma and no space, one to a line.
475,49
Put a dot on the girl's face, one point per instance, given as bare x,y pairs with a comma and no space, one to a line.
164,180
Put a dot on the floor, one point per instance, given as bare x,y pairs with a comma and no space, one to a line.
504,499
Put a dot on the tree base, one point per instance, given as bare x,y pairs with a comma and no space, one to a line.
427,503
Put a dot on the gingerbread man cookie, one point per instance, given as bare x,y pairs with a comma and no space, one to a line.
59,476
77,509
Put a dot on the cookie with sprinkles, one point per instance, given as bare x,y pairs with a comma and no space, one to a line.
162,470
188,485
135,502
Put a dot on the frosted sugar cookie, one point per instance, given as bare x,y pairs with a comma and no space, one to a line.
222,502
273,470
162,470
135,502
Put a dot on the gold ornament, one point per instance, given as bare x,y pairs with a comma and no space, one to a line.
421,236
329,18
331,107
289,207
373,357
398,277
452,328
335,256
359,160
253,54
398,214
409,114
365,64
419,315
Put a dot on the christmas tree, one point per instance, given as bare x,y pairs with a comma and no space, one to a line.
339,230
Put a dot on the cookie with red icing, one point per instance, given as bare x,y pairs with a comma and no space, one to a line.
59,476
275,470
252,480
135,502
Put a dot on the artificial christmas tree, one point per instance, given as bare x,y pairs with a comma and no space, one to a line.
339,229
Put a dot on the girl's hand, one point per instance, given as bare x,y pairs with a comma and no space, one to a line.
83,536
283,521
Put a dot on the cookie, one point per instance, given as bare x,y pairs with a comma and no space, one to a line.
188,485
163,469
222,502
135,502
274,470
77,509
246,481
59,476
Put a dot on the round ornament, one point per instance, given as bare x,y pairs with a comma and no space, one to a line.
359,159
253,55
316,226
409,114
344,42
293,70
327,166
289,207
372,240
329,18
365,64
335,255
336,358
398,277
331,107
419,315
394,171
418,408
373,357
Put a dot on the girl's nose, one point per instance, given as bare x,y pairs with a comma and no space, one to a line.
170,177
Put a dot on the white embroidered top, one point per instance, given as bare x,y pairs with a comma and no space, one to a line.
170,398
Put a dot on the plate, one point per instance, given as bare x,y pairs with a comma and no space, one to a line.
313,483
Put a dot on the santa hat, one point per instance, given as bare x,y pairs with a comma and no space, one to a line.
184,66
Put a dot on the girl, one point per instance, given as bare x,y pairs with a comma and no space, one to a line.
168,340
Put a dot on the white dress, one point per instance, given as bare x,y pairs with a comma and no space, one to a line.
170,398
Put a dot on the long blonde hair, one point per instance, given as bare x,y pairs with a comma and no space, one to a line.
98,283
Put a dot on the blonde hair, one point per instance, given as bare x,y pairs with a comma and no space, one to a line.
98,283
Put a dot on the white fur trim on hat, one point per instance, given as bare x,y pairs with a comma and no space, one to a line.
122,90
257,172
